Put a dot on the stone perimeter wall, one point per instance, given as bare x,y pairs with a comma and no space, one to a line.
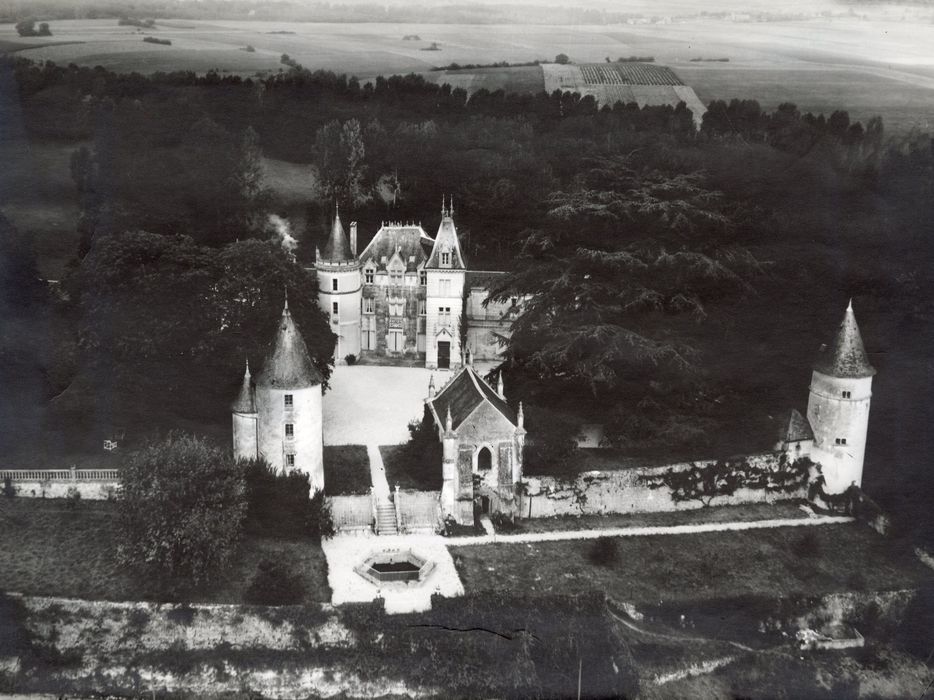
626,491
93,485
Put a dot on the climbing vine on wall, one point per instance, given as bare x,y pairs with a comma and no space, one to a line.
704,482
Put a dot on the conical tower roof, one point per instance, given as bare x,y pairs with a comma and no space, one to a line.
244,402
289,365
795,428
337,248
846,356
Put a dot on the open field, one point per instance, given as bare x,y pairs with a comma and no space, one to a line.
878,67
647,570
51,549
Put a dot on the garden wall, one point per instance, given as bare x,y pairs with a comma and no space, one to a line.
421,510
641,489
90,484
351,513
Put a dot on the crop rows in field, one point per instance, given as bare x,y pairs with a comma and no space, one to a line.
628,74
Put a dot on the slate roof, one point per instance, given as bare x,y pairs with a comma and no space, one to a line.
463,394
244,402
447,239
846,357
482,278
337,248
796,428
289,365
409,240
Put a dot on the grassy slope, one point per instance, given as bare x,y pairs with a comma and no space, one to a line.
346,470
682,567
50,549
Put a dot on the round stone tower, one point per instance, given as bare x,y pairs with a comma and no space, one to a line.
838,406
288,404
245,420
340,288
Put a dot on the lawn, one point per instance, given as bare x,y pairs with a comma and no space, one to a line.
648,570
422,474
745,513
51,549
346,470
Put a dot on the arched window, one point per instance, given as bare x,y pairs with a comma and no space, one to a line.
484,460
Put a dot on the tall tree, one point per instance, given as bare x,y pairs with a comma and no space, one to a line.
613,283
339,153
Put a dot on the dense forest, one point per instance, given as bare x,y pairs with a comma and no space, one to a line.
681,280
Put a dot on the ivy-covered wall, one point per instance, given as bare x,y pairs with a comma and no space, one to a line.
760,478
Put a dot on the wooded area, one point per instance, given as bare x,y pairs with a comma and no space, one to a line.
682,280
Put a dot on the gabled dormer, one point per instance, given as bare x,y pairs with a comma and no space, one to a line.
446,252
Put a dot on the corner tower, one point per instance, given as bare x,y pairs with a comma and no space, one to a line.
245,420
838,406
445,272
288,406
340,289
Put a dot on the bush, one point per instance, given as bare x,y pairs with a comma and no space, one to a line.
603,552
249,48
9,490
154,40
182,509
275,583
281,505
74,496
350,359
562,58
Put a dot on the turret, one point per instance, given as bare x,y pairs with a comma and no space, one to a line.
340,287
289,405
838,406
244,417
499,386
445,272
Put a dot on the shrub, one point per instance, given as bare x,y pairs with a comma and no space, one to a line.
562,58
73,495
182,509
275,583
503,522
182,615
603,552
281,505
8,489
249,49
350,359
154,40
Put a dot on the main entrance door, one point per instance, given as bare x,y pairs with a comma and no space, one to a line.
444,354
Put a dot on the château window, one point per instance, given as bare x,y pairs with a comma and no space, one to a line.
847,394
334,285
841,441
444,288
421,307
367,306
289,430
395,277
288,401
423,278
290,460
368,276
445,258
334,308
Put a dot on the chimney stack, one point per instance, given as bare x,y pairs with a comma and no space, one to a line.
353,238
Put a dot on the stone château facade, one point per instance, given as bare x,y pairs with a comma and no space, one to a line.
409,297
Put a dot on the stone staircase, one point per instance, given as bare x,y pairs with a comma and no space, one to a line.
386,518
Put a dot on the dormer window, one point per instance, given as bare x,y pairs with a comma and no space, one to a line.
445,258
368,276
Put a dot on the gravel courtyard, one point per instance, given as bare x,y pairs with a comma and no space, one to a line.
373,405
